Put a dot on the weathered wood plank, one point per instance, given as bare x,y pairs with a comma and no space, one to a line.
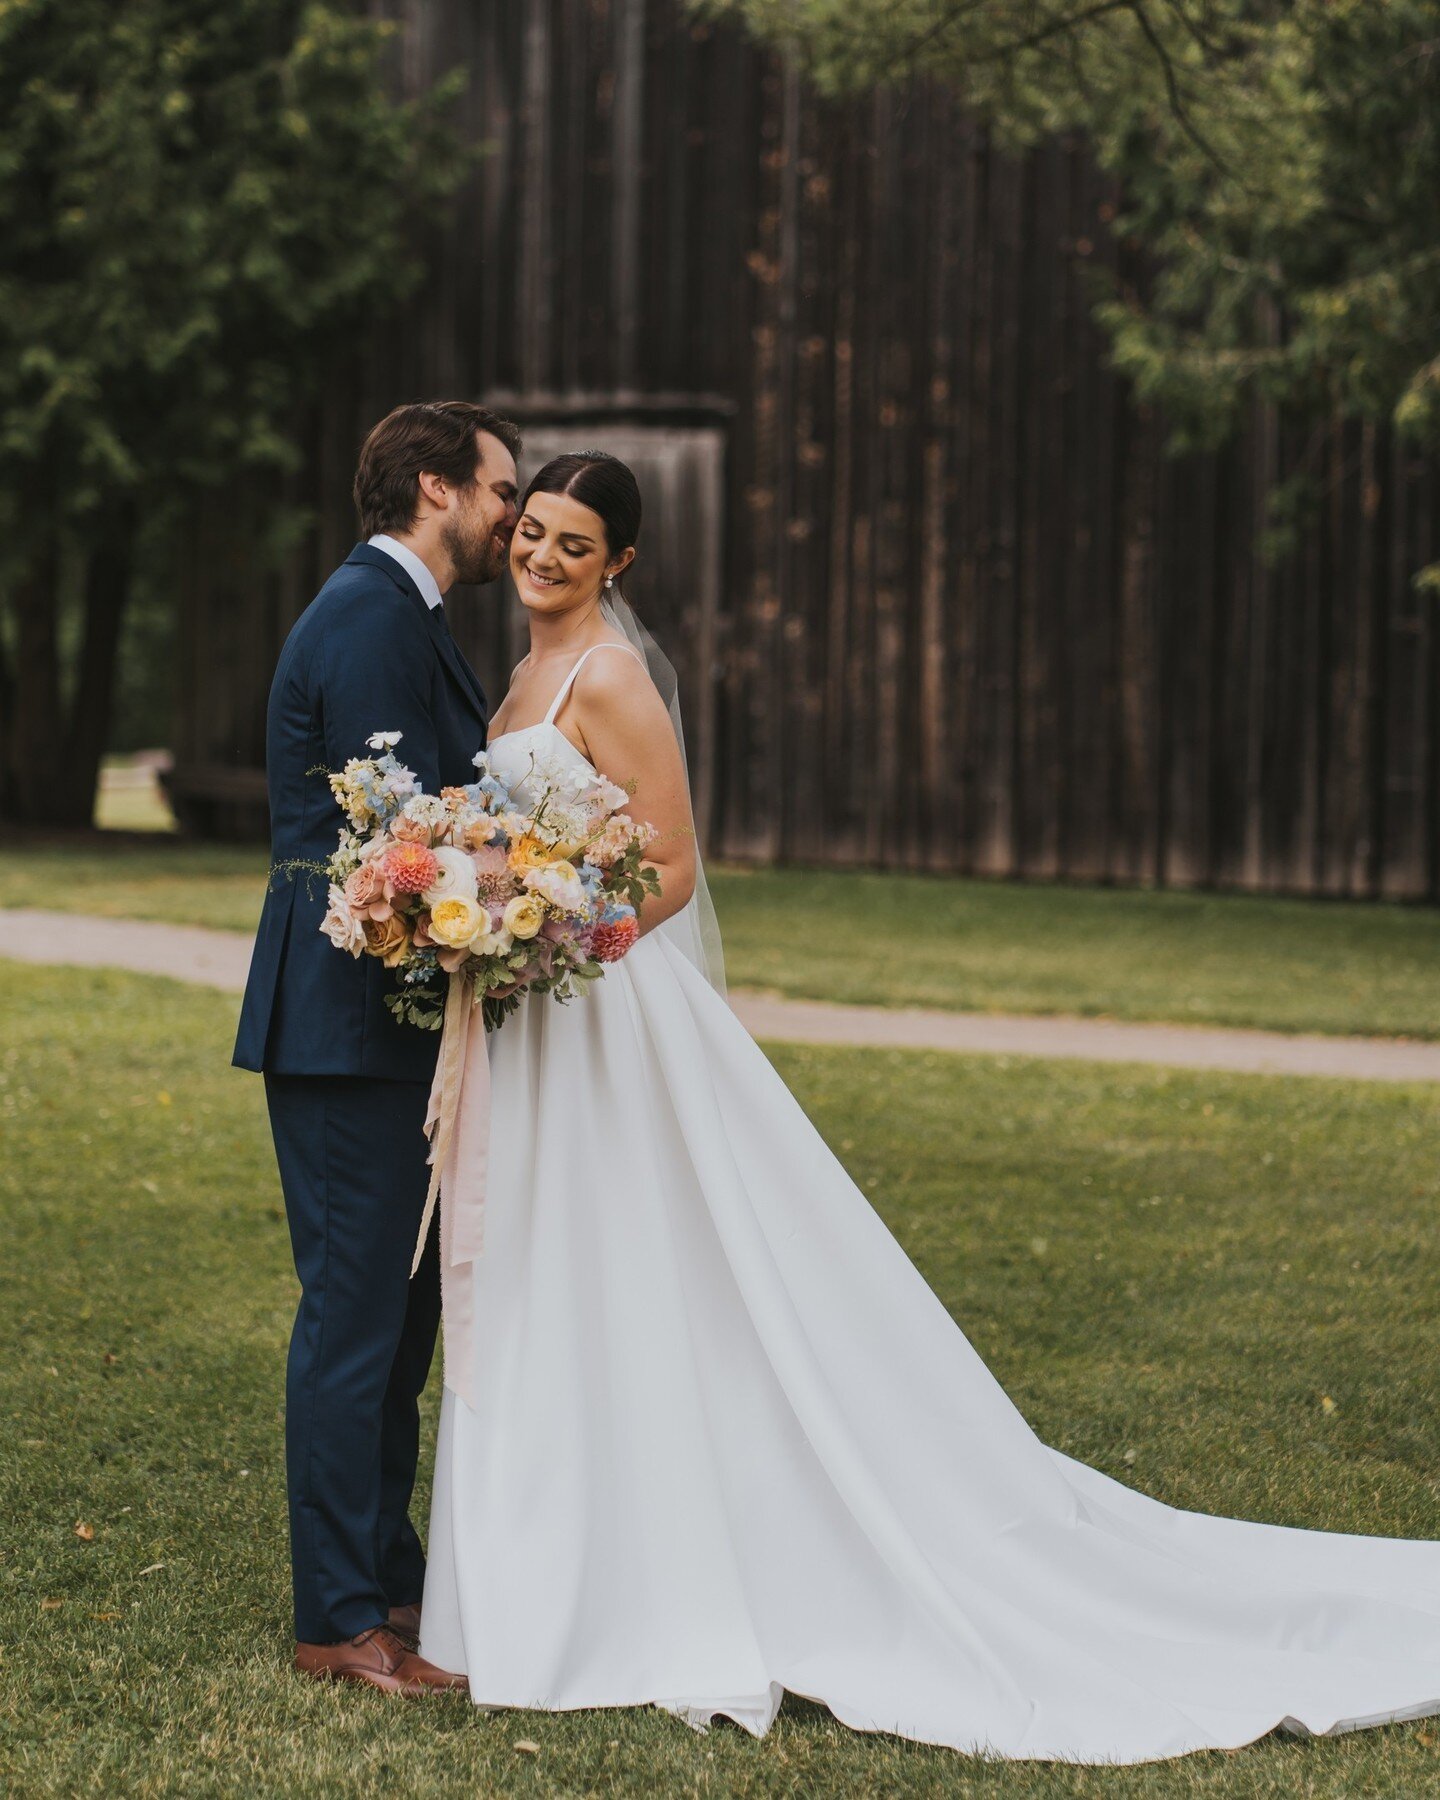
951,610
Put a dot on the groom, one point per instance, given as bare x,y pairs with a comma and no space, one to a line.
345,1083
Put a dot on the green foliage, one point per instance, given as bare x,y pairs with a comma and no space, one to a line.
423,1007
192,199
1282,161
634,879
197,204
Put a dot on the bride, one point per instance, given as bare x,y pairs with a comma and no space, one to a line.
722,1439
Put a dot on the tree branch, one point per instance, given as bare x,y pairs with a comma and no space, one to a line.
1172,89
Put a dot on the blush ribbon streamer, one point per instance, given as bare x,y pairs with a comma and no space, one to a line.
457,1123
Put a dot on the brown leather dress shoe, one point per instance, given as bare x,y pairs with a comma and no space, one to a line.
380,1659
405,1623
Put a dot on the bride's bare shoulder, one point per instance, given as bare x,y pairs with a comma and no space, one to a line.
612,666
616,682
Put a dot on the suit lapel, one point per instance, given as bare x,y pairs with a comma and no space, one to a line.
454,661
434,617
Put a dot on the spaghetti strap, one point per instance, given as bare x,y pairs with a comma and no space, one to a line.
568,682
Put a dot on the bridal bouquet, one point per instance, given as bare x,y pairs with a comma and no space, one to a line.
468,882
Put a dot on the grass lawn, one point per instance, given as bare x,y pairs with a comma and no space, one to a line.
1287,965
1218,1288
130,798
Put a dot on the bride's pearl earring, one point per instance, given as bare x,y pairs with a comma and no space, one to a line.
609,584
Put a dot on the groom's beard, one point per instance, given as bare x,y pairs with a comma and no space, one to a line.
479,556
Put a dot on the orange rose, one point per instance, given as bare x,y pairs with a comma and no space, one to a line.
528,853
386,938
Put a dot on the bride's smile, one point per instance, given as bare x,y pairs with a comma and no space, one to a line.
558,560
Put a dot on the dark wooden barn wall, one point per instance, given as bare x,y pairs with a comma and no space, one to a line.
971,617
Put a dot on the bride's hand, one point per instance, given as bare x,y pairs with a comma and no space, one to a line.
618,713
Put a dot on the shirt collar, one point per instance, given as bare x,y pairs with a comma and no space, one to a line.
418,572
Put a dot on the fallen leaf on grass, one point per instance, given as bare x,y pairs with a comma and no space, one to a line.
153,1569
105,1617
527,1746
51,1605
85,1533
1327,1405
109,1357
1425,1738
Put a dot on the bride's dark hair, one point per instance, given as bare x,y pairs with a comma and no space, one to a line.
597,480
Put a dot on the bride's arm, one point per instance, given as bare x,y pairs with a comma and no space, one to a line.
627,734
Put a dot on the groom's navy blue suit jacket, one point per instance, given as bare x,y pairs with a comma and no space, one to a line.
366,655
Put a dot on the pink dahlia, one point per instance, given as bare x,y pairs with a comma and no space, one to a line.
612,937
492,871
411,868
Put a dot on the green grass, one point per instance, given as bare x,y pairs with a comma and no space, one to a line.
1231,959
130,798
1170,1272
1285,965
219,885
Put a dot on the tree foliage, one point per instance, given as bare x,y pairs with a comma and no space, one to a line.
1281,160
195,202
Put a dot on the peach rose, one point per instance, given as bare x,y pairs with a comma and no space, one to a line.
409,831
365,892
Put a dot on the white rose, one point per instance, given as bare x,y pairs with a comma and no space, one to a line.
340,925
457,876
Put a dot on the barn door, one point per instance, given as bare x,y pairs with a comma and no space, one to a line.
675,583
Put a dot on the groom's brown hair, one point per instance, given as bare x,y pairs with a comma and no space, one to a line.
434,436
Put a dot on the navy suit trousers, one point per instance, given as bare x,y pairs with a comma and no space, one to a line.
352,1153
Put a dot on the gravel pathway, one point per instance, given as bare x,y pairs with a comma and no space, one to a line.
220,958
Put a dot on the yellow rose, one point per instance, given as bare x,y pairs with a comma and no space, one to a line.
456,920
524,916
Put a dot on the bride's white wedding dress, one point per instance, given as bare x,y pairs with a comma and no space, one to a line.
726,1441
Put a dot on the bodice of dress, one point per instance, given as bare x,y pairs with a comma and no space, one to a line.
539,757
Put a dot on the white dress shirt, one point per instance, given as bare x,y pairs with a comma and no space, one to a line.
413,567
